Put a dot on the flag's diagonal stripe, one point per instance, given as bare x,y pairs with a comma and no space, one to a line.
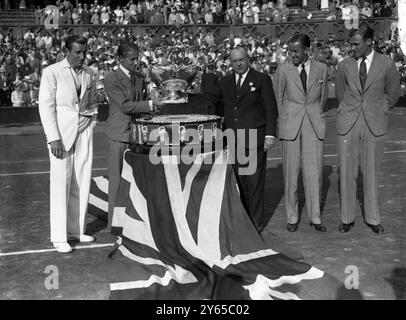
210,209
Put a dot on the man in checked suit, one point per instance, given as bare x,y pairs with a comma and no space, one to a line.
68,107
126,94
249,103
367,86
301,91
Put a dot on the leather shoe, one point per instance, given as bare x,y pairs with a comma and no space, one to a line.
345,227
292,227
318,226
62,247
81,237
376,228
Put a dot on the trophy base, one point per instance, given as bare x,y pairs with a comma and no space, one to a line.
176,100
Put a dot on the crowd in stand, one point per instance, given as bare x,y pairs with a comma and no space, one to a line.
22,60
208,11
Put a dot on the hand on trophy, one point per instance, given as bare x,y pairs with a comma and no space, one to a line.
156,101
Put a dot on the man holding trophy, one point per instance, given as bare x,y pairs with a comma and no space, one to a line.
127,95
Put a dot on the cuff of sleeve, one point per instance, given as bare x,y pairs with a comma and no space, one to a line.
269,136
151,105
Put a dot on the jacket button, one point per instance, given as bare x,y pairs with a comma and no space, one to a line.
235,108
236,120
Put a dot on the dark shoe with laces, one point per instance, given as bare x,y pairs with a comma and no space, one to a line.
378,228
318,226
345,227
292,227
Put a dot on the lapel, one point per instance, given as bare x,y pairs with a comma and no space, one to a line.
374,70
126,81
312,75
69,78
85,81
354,74
250,78
294,76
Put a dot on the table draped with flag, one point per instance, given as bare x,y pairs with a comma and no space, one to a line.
184,234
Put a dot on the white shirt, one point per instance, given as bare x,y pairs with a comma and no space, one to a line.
368,60
243,77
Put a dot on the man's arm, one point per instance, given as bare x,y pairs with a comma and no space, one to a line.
120,98
270,106
324,86
392,85
47,105
340,82
279,88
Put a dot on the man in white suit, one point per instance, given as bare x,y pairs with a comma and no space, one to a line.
67,107
301,92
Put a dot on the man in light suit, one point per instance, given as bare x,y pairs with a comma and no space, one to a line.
249,103
68,108
301,90
126,93
367,86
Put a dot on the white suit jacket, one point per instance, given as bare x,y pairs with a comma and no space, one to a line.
59,103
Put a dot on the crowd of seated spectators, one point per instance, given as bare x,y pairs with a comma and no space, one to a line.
22,60
210,11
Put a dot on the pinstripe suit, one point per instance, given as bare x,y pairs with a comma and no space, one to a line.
362,120
124,99
302,130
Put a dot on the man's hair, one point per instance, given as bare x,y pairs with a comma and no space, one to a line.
238,47
303,39
74,39
365,31
125,47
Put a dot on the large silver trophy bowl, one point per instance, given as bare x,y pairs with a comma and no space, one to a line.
173,81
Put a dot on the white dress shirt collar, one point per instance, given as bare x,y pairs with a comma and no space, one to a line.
125,70
368,60
244,75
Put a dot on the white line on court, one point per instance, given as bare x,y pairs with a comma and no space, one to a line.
101,169
17,253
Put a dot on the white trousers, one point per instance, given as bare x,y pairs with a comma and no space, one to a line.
70,186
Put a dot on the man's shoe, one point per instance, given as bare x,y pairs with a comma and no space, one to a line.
62,247
345,227
81,237
318,226
292,227
376,228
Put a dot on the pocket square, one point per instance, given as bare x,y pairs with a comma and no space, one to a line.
253,88
321,81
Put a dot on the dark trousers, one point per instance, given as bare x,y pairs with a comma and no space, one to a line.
252,186
115,165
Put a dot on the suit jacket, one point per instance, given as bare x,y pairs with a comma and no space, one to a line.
381,92
124,100
59,103
294,103
254,108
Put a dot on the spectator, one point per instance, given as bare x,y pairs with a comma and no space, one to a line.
119,15
18,96
105,16
85,16
75,16
366,11
95,17
386,10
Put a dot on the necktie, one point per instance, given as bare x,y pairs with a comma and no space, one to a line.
132,78
303,77
363,72
239,82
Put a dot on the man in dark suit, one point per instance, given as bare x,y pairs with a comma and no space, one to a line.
208,82
249,103
367,86
126,93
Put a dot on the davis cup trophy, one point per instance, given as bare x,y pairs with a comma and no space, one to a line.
173,81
